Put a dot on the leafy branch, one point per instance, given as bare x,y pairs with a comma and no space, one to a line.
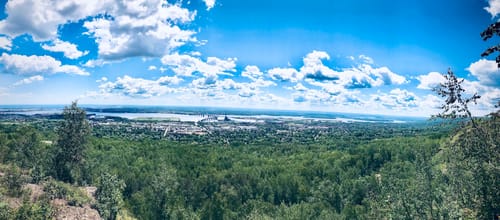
456,104
493,29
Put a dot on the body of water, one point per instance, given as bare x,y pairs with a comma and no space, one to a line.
194,114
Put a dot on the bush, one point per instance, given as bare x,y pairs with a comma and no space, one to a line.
13,181
38,210
59,190
5,211
109,195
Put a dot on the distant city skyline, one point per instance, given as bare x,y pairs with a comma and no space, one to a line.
372,57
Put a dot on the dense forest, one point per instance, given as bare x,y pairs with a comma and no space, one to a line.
427,170
69,164
442,169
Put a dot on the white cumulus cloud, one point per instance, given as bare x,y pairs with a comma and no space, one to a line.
102,79
141,28
29,65
397,99
362,76
121,29
186,65
299,87
493,7
430,81
70,50
252,72
169,80
366,59
486,71
29,80
485,86
42,18
138,87
5,43
367,76
489,95
314,68
285,74
246,93
206,82
229,84
209,3
95,63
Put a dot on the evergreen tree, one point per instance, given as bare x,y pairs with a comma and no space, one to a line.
71,144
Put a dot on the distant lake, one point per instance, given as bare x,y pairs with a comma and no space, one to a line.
197,113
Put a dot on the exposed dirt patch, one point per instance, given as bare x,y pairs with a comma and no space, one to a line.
36,191
90,191
65,212
13,202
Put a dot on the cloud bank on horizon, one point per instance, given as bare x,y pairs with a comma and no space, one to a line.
323,56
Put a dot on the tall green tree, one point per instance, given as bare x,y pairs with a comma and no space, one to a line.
71,144
473,153
163,188
474,165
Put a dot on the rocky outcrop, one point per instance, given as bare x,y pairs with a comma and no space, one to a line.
66,212
63,211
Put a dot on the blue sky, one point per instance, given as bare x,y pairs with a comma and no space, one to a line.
379,57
